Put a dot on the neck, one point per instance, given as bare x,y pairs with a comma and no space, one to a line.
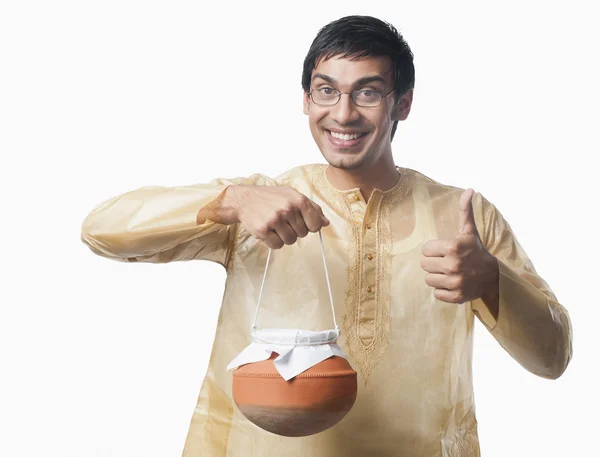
382,175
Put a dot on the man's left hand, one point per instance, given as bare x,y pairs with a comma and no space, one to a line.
460,270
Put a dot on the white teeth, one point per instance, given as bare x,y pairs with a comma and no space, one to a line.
345,136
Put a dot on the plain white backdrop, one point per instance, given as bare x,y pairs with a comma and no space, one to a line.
105,359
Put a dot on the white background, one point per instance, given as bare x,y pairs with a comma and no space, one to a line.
101,358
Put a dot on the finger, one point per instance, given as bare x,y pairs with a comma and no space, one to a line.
433,265
273,240
285,232
448,296
466,218
444,265
437,248
297,223
323,217
313,216
439,281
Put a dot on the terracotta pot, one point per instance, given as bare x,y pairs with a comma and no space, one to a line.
309,403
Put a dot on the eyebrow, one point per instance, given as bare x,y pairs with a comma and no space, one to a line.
359,82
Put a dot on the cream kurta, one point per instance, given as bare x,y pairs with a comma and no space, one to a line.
412,352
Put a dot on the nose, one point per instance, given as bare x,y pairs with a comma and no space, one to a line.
344,111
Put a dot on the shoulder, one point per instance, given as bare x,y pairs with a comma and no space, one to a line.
444,197
300,174
291,177
434,187
437,189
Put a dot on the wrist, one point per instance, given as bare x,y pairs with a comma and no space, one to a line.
222,210
229,202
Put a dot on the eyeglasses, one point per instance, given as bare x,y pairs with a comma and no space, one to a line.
326,96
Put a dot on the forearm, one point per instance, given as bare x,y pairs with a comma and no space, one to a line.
155,224
491,296
529,323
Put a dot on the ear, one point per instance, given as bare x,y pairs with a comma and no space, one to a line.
306,103
402,108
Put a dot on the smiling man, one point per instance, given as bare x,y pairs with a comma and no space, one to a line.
412,261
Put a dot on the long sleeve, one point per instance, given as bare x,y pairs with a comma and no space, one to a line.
532,326
158,224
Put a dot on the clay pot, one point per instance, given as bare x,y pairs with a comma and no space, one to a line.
309,403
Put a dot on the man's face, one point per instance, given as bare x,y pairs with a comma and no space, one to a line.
369,127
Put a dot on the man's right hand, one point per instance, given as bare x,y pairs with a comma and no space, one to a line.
276,215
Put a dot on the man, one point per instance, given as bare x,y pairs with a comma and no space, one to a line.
412,262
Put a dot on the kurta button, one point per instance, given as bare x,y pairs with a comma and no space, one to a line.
369,289
369,226
370,257
356,197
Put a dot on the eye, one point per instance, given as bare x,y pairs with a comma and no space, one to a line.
368,93
327,90
367,96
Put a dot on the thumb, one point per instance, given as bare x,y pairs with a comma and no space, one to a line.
466,218
321,214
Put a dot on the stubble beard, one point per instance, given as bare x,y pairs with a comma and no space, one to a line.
349,163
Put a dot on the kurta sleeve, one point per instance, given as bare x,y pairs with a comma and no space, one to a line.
158,224
532,326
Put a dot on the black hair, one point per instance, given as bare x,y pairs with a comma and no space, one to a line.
363,36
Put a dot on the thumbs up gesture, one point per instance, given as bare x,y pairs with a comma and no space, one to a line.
461,269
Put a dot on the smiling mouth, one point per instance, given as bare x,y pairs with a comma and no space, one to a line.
345,136
346,141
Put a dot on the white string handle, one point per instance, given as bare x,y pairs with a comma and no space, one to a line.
326,277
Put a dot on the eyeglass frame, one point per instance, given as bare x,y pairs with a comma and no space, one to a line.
309,93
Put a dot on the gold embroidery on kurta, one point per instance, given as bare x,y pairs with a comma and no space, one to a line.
366,355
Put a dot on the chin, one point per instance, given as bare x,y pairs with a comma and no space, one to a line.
344,162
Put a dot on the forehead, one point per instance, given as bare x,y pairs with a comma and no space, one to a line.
346,71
